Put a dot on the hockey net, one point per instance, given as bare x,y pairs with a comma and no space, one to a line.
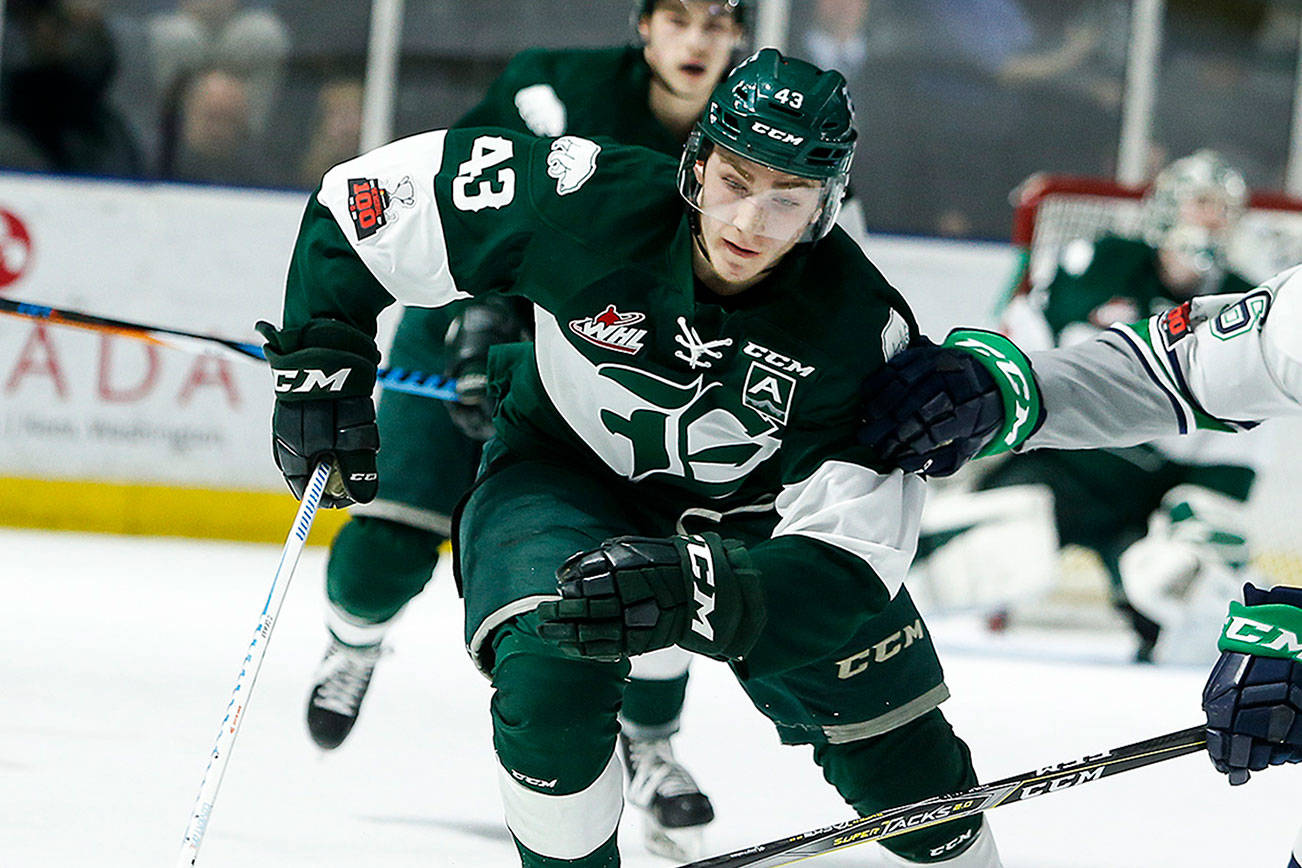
1054,210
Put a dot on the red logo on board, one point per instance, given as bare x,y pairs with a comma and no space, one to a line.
15,249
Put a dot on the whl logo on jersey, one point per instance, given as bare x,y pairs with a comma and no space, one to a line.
612,330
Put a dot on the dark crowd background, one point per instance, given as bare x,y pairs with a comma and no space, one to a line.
957,100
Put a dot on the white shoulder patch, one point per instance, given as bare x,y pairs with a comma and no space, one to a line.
541,110
572,162
895,336
384,203
1077,256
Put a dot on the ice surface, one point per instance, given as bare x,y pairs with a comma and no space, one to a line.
118,655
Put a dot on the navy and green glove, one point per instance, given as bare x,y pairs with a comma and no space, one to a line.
1253,698
930,409
324,374
634,594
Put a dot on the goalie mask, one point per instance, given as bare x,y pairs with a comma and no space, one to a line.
790,117
1190,214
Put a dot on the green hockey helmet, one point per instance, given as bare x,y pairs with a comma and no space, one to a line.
786,114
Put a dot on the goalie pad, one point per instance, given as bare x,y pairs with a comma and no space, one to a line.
1183,574
990,549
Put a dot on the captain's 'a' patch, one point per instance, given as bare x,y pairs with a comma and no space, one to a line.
768,392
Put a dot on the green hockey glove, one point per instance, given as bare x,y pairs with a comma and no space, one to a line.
324,374
634,594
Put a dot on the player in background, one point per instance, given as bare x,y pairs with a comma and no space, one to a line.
1167,519
649,95
693,380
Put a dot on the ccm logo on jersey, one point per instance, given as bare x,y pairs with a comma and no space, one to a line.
312,380
702,566
777,360
880,652
533,782
777,135
612,330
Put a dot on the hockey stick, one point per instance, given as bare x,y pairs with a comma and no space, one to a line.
397,379
930,812
230,726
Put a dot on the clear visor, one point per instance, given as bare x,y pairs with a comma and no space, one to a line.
755,199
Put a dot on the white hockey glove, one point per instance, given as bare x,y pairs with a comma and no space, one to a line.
1189,566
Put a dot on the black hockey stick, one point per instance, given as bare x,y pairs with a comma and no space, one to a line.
930,812
398,379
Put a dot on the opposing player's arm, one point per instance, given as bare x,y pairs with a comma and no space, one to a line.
1221,363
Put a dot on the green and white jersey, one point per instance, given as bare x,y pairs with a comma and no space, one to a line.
590,92
704,402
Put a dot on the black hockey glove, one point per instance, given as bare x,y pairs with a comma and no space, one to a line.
1253,698
324,374
483,323
633,594
930,409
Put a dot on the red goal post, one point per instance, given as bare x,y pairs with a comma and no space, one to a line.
1052,210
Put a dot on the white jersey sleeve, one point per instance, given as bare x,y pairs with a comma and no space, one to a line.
1220,363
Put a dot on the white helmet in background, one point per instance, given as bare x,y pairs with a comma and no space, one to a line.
1190,214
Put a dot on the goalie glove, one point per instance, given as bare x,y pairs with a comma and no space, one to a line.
1253,698
324,374
930,409
635,594
1192,557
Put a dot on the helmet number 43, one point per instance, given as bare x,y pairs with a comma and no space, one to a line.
789,97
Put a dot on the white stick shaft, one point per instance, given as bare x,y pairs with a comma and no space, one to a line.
230,726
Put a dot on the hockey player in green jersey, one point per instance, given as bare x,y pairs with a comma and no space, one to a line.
684,420
648,95
1165,518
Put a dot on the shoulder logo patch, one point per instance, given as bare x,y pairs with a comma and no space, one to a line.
370,203
572,162
612,330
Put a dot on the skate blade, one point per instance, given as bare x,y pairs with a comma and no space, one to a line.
681,845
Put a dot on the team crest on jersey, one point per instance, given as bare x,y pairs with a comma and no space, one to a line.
612,330
370,203
768,392
572,162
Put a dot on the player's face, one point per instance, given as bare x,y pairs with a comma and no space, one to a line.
689,44
1188,253
751,215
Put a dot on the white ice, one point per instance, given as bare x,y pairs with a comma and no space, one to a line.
119,655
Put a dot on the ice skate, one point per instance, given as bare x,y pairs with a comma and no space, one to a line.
674,810
341,683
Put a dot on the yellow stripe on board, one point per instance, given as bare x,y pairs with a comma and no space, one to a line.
157,510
